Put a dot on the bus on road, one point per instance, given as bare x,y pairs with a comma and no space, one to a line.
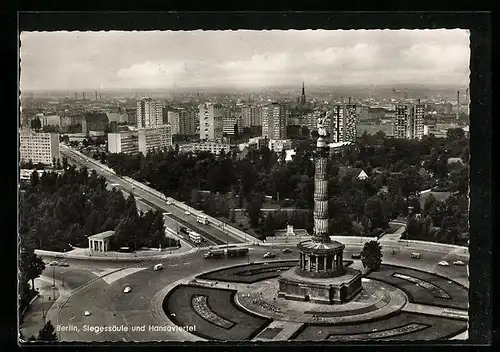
202,219
194,237
237,252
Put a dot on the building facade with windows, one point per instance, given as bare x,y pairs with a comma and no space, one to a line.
278,145
123,142
149,113
173,118
211,121
187,121
154,138
274,121
38,147
212,147
251,116
343,123
409,121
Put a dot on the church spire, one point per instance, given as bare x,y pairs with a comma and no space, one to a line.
303,96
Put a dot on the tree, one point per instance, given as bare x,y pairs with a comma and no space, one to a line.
36,124
254,210
34,178
32,265
47,333
453,134
371,255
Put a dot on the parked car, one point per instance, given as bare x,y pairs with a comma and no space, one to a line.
167,213
127,289
54,263
187,213
169,202
269,255
443,263
458,262
356,256
63,264
287,250
86,313
415,255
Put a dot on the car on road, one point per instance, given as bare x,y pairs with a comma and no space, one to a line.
287,250
167,213
443,263
356,256
54,263
86,313
169,202
269,255
187,213
158,267
127,289
63,264
415,255
458,262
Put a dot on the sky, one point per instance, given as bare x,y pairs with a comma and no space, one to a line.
245,59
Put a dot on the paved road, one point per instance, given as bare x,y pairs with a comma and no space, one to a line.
110,306
212,233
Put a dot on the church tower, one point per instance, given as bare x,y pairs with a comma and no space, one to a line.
303,96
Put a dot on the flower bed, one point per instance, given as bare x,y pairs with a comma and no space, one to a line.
200,305
433,289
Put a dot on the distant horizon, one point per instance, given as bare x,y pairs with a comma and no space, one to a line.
247,89
242,59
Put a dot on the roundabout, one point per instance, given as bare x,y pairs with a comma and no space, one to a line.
221,300
241,303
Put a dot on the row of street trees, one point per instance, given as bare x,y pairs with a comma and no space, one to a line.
402,168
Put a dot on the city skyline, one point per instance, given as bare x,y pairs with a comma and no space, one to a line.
245,59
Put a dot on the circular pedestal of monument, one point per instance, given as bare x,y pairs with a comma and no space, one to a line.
376,300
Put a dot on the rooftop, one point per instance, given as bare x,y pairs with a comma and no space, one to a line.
102,235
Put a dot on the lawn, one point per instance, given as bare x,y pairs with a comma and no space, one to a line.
458,295
403,326
251,273
241,325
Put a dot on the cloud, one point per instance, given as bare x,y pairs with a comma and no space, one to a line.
150,74
357,56
158,59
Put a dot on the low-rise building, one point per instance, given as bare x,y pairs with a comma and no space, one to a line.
94,121
100,242
50,120
212,147
353,172
117,117
258,142
154,138
38,147
123,142
278,145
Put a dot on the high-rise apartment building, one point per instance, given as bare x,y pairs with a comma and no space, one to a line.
123,142
38,147
251,116
173,118
187,121
149,113
274,121
409,121
211,124
343,123
229,124
154,138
